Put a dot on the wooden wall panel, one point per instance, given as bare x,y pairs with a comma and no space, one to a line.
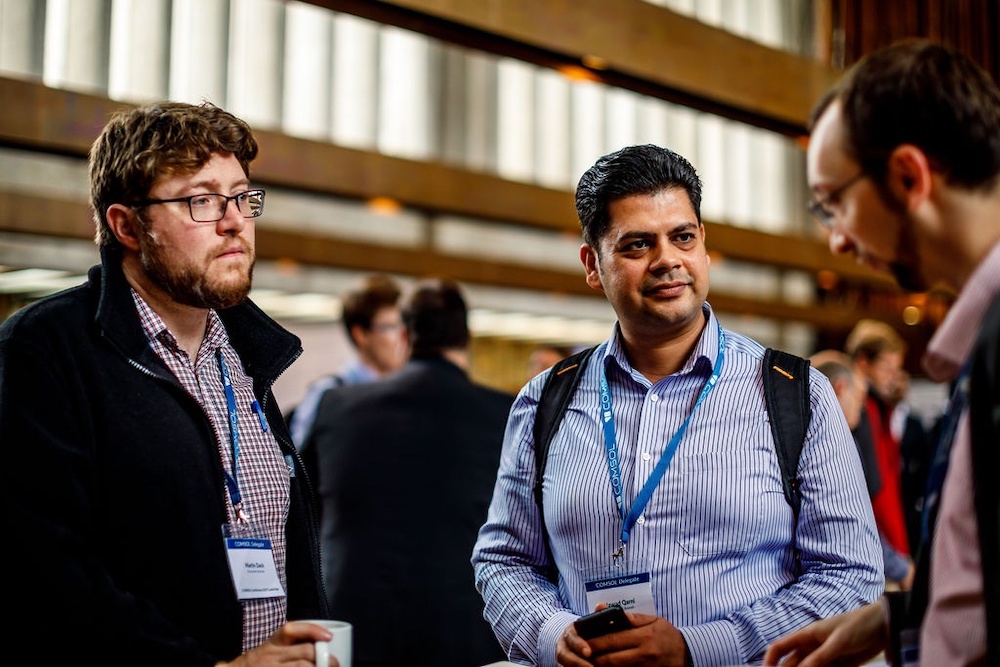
971,26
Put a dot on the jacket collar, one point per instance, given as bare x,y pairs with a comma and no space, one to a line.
264,346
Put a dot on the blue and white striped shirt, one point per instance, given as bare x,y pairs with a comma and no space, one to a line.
717,536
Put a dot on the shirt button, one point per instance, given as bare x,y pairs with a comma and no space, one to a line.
641,520
646,456
654,398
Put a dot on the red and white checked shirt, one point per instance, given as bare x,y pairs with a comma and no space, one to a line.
262,474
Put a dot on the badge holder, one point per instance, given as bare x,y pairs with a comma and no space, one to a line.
251,562
625,585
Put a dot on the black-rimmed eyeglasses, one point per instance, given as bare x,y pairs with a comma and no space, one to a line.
820,207
211,207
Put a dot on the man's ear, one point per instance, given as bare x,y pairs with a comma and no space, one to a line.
124,224
704,235
588,256
864,366
909,175
359,336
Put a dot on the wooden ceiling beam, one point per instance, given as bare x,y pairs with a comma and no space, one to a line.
58,121
628,44
29,214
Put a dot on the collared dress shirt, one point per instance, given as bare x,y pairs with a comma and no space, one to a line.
954,626
717,536
262,472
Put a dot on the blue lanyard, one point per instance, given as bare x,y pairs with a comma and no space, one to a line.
611,446
234,437
942,452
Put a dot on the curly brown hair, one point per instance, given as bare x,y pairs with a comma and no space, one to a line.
138,146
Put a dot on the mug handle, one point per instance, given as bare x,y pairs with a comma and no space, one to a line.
322,654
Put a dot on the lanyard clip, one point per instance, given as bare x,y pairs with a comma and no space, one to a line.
618,556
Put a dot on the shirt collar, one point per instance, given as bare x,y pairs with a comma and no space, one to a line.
156,329
701,359
953,341
215,333
357,372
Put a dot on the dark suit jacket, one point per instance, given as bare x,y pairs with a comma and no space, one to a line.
406,469
864,440
915,451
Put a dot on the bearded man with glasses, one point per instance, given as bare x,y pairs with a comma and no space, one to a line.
923,122
150,485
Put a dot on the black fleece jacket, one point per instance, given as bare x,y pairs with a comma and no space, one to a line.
113,490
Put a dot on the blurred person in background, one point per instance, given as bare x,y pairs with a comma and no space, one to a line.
851,389
373,323
545,355
878,352
406,469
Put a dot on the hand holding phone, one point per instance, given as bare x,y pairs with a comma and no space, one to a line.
605,621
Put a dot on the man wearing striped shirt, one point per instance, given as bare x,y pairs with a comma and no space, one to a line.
662,493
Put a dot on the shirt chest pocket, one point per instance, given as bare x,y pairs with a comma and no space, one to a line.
733,503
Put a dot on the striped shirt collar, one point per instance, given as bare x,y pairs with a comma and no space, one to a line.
701,358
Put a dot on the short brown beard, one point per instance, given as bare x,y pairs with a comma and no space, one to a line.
187,287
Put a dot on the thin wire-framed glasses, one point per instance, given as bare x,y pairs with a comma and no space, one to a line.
386,327
820,207
211,207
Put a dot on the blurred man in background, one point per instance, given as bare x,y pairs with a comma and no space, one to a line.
545,355
374,326
878,352
406,469
851,389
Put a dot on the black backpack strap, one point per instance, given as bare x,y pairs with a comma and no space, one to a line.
786,392
559,388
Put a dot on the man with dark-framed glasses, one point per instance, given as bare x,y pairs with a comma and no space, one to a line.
150,485
211,207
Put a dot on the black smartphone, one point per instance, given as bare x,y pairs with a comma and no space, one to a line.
605,621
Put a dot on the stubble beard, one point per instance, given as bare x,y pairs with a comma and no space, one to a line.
906,270
908,277
190,286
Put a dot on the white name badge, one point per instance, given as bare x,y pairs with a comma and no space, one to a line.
251,563
631,592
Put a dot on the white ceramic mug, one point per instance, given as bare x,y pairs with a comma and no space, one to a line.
339,647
